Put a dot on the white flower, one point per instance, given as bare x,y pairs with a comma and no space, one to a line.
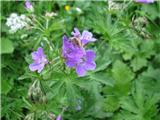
113,5
16,22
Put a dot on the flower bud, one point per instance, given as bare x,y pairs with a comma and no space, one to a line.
29,6
51,116
59,117
35,93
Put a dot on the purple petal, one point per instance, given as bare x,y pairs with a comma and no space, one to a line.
90,65
66,46
64,39
145,1
35,56
28,4
40,68
59,117
80,70
87,37
34,66
40,52
77,53
90,55
71,63
76,33
93,39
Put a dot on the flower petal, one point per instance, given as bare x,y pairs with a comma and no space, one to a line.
145,1
76,33
41,68
90,55
87,37
35,56
40,52
34,66
80,70
59,117
71,63
90,65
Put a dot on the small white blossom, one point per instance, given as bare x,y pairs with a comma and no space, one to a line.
16,22
113,5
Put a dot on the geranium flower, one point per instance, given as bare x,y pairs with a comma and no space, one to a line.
39,60
74,53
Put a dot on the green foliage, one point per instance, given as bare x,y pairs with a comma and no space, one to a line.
7,46
139,106
125,84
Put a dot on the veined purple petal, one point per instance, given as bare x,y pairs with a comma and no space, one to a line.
90,55
71,63
86,34
90,65
87,37
80,71
76,53
34,66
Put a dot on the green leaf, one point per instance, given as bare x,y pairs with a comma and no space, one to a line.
102,77
139,106
6,87
121,72
138,62
147,49
111,104
7,46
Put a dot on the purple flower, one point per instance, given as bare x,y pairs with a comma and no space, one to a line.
70,50
86,36
29,6
86,63
74,53
145,1
59,117
39,60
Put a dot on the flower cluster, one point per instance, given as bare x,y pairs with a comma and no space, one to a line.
113,5
16,22
74,53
